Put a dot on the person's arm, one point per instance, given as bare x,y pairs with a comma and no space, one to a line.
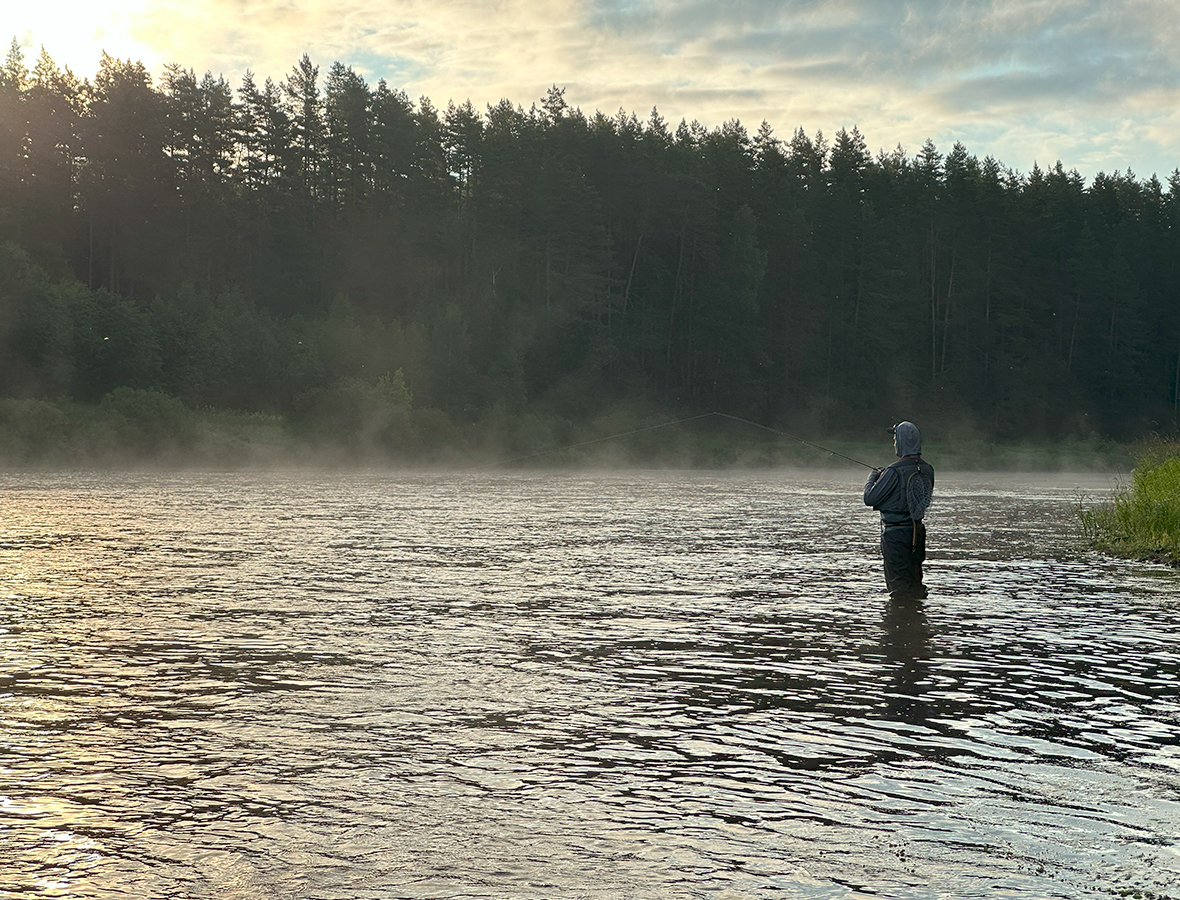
878,486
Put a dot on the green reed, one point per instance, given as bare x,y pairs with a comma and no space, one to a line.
1143,519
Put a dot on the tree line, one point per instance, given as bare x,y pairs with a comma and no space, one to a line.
268,247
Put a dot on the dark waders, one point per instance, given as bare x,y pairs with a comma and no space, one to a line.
903,548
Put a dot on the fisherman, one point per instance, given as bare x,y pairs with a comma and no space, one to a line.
902,492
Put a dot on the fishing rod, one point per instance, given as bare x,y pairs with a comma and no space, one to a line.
611,437
793,438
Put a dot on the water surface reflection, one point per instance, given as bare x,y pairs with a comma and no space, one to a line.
620,686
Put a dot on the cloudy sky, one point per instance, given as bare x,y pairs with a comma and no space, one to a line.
1092,83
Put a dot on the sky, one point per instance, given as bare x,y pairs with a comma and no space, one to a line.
1094,84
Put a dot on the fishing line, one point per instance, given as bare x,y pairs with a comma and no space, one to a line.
612,437
793,438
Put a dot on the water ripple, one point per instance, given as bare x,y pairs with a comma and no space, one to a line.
659,685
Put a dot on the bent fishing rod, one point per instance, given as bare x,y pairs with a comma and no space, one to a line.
721,415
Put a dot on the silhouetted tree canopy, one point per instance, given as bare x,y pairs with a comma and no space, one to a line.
290,245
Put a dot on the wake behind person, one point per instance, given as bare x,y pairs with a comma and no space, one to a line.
901,493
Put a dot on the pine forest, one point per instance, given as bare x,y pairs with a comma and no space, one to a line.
375,272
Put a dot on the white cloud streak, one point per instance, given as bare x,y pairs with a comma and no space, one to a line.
1094,83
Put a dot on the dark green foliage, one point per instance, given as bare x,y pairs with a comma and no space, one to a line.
147,422
33,431
140,426
283,247
365,418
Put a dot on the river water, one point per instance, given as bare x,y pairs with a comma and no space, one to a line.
659,685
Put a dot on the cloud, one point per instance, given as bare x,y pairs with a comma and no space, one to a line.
1093,82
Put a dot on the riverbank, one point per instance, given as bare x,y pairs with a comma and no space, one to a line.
1142,521
377,426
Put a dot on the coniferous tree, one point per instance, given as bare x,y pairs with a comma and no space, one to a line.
541,260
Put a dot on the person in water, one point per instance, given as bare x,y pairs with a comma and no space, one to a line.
901,493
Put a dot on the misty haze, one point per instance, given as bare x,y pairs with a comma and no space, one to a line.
495,497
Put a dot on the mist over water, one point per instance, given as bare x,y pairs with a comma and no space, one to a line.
665,685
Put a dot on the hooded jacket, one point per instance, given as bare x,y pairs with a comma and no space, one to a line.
885,491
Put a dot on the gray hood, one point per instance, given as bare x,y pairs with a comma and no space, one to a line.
909,439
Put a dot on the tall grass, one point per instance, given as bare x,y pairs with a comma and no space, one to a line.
1143,519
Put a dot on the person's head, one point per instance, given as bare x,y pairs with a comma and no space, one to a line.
907,439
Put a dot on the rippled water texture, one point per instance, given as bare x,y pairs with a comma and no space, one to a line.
555,686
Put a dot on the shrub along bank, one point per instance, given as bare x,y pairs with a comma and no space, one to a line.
1143,520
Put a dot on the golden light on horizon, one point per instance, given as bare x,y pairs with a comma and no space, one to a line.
1028,84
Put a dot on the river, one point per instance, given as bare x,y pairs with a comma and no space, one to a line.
626,685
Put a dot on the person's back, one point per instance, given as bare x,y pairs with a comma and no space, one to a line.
901,492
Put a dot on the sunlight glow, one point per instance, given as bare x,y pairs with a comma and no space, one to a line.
76,32
948,71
